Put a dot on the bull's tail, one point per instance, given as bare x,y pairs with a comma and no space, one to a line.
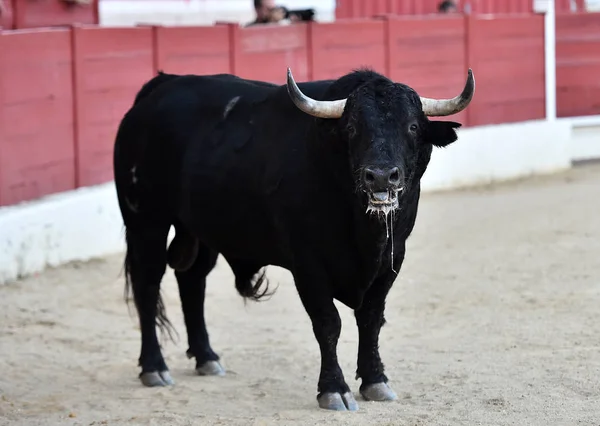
133,283
255,288
147,221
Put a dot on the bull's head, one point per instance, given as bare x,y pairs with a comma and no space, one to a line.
388,133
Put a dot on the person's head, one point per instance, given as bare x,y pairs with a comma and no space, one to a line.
447,6
263,9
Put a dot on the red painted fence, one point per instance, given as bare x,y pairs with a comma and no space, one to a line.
508,55
264,53
63,92
566,6
201,50
109,66
431,54
369,8
578,64
344,45
20,14
37,149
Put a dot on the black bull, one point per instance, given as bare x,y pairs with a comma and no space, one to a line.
320,178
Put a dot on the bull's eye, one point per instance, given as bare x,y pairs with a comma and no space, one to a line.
413,127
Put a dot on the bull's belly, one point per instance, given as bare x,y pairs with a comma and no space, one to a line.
237,232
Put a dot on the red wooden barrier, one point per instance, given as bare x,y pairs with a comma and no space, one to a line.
369,8
497,6
565,6
366,9
429,54
407,7
507,57
193,50
7,16
339,47
63,94
373,8
265,52
111,64
46,13
345,9
414,7
578,64
36,115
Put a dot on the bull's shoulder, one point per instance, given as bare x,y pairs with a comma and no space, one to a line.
233,123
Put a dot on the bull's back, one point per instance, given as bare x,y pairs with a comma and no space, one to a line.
170,115
204,150
152,84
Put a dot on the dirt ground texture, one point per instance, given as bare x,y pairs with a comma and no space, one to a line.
494,320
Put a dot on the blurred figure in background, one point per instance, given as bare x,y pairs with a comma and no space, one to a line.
447,6
300,15
267,12
263,9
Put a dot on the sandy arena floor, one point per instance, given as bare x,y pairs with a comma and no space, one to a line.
495,320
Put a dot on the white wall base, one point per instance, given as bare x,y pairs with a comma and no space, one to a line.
86,223
500,152
75,225
585,137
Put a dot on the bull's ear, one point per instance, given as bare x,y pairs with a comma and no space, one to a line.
441,133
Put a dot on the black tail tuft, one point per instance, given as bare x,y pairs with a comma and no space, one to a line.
162,321
252,288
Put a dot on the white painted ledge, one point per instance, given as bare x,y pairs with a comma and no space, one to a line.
86,223
75,225
488,154
585,137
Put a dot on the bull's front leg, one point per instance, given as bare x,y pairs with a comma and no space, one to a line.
333,391
369,319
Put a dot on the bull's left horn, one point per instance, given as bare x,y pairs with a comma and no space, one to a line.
443,107
321,109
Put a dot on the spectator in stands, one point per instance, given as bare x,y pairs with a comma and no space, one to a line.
266,12
447,6
283,15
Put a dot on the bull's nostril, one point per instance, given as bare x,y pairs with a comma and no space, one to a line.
369,176
395,176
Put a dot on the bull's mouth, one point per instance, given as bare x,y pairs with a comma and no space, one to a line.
383,201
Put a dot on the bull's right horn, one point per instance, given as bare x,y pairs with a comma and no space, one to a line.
443,107
321,109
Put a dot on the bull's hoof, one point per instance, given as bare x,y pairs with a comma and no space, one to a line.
378,392
337,402
156,378
210,368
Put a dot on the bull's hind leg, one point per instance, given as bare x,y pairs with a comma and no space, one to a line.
146,263
192,290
